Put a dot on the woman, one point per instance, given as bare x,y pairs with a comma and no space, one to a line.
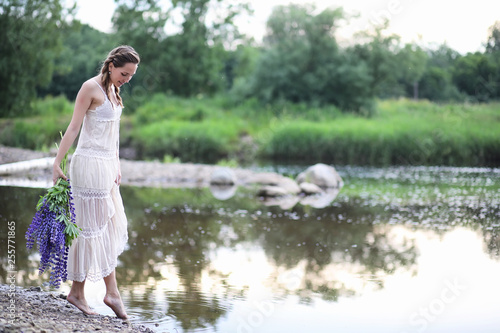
95,176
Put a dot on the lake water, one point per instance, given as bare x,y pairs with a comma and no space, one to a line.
402,249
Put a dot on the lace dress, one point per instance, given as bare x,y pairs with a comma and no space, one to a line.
98,205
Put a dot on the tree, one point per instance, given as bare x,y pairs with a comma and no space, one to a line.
493,43
301,61
84,48
141,24
411,60
476,75
194,65
189,62
30,40
436,83
493,51
239,65
379,52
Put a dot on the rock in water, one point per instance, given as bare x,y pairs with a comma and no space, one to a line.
322,175
272,191
223,176
309,188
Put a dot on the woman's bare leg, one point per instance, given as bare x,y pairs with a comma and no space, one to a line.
112,298
76,297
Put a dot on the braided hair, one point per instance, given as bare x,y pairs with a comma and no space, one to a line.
119,56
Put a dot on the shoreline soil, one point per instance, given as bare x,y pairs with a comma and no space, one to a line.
34,310
135,173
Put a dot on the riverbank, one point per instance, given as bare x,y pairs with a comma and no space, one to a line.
35,310
134,173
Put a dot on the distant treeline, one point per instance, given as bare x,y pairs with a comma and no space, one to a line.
46,52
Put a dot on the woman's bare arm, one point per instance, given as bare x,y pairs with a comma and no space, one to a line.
82,104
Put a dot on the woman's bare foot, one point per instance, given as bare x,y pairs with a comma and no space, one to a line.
80,304
116,304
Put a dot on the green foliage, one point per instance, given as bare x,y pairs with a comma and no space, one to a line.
84,48
400,132
52,107
300,81
163,107
33,133
58,199
51,115
191,142
194,67
378,51
302,63
476,75
412,62
240,64
188,63
171,159
228,163
416,133
436,83
30,40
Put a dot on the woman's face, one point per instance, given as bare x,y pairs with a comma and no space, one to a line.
121,75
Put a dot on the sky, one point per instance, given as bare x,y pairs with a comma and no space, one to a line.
462,25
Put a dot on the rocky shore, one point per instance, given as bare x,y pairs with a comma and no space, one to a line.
34,310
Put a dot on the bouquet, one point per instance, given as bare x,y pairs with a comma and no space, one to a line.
53,229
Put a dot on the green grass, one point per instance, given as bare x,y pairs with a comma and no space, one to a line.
192,142
41,130
37,133
402,132
210,129
52,106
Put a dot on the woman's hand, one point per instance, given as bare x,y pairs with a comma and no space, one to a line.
118,179
57,173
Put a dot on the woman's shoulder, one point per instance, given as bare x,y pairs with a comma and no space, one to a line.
91,87
92,83
90,92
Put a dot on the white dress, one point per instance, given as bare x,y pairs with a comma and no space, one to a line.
98,204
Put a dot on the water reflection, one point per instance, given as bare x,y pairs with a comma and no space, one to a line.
196,263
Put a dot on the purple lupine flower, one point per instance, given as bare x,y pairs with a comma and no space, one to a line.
53,228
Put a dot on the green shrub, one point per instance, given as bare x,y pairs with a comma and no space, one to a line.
162,107
52,106
191,142
34,133
49,116
404,132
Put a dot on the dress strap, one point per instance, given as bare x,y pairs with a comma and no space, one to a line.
105,95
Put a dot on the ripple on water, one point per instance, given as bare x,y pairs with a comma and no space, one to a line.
177,307
155,319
